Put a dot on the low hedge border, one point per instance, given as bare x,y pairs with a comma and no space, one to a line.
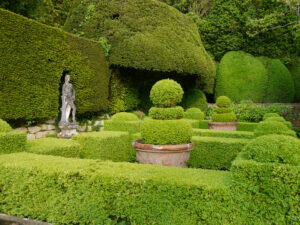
106,145
223,133
194,123
126,126
12,141
242,126
215,152
83,191
54,146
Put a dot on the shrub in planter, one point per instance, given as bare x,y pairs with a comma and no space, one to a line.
194,114
165,128
273,127
223,118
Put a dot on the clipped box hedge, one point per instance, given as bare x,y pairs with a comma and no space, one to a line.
194,123
106,145
126,126
215,152
223,133
203,124
82,191
54,146
246,126
12,141
266,193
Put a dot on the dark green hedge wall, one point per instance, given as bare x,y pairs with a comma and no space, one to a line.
295,71
33,60
145,35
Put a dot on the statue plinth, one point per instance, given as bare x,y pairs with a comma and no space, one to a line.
67,130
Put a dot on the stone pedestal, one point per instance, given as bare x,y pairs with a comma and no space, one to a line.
67,130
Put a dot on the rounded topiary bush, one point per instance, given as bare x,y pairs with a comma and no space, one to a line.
124,116
166,132
274,149
194,98
281,120
4,126
166,93
273,127
224,112
223,102
267,115
194,114
172,113
223,117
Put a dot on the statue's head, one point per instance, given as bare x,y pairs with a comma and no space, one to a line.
67,78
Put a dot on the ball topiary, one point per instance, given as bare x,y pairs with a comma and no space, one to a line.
172,113
124,116
273,127
280,119
194,114
274,149
223,102
166,93
267,115
4,126
194,98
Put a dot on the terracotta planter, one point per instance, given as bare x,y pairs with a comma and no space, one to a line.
164,155
222,125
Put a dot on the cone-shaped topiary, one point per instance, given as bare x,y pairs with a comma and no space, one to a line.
164,128
224,111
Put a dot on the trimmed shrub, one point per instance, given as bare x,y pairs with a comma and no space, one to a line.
295,72
124,116
12,141
215,152
174,44
172,113
223,117
274,149
194,113
223,133
136,136
273,127
166,93
224,111
126,126
194,123
268,115
241,76
166,132
106,145
244,126
194,98
265,193
203,124
35,63
95,192
280,87
4,126
280,119
54,146
223,102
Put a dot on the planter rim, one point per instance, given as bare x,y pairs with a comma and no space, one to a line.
229,123
140,145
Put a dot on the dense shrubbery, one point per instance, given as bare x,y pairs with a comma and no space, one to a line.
280,119
194,114
268,115
273,127
224,111
35,62
223,133
295,71
124,116
4,126
194,98
171,113
128,25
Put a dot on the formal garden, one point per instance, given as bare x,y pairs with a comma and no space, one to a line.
150,112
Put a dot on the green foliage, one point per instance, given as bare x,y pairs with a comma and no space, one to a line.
241,76
194,123
273,127
4,126
106,145
215,152
245,126
145,35
258,27
166,93
166,132
35,63
274,149
265,193
194,98
54,146
223,133
280,119
223,102
223,117
95,192
105,45
194,114
124,116
126,126
268,115
12,141
295,72
222,110
280,87
123,96
203,124
172,113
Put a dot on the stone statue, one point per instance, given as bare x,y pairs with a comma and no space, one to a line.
68,97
